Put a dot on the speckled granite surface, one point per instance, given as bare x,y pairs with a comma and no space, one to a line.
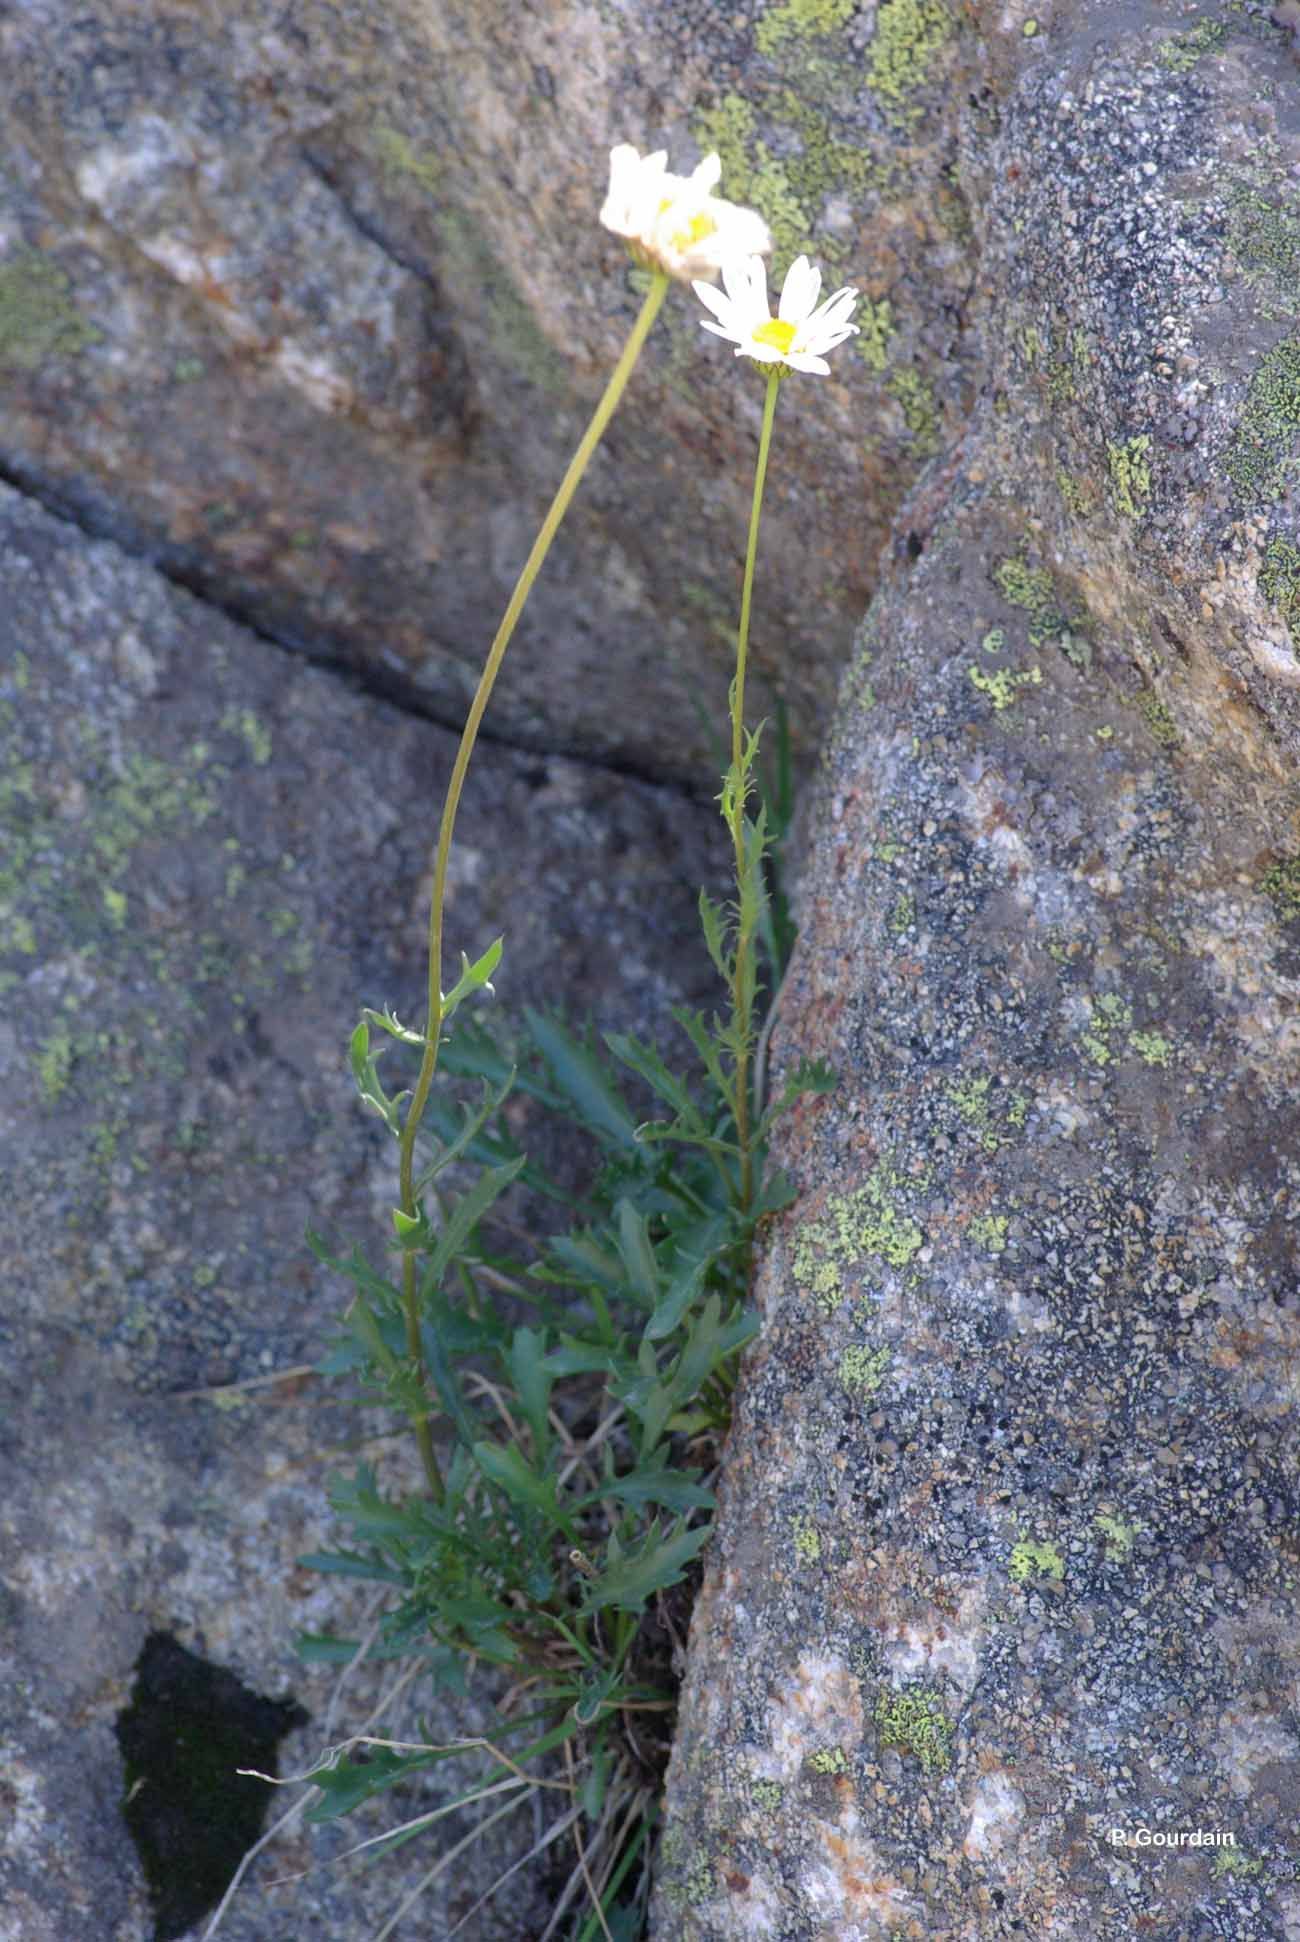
1000,1632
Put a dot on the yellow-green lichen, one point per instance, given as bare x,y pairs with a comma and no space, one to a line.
903,915
1279,580
1151,1047
38,319
1281,885
767,1794
917,402
799,20
1156,715
1030,588
1232,1861
1107,1015
990,1231
1078,494
829,1759
115,906
875,328
852,1227
701,1881
909,34
1002,687
863,1370
1033,1560
1130,475
1264,237
398,155
254,733
807,1540
1259,459
1117,1537
54,1062
1181,52
914,1721
751,174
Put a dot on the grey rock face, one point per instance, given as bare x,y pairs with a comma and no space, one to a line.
313,311
212,855
1006,1578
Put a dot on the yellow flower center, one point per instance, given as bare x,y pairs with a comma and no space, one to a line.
694,230
776,332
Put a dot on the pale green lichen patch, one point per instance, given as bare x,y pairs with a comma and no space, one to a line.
54,1062
903,915
752,174
767,1794
1281,885
914,1721
917,402
875,323
1232,1861
1030,588
1259,459
807,1540
254,733
909,34
1117,1537
38,319
800,19
398,155
990,1231
851,1228
1279,580
829,1759
1181,52
1264,237
1003,687
1161,724
1152,1047
863,1370
1130,475
1030,1559
1108,1016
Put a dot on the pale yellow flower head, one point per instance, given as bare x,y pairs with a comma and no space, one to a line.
674,222
802,331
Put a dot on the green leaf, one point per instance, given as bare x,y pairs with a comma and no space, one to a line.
471,1127
643,1059
630,1582
350,1564
532,1379
686,1285
465,1215
714,923
504,1465
349,1782
654,1483
583,1081
638,1256
473,977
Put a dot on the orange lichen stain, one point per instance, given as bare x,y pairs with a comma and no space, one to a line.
850,1886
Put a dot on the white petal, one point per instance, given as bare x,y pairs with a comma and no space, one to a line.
707,174
713,300
815,366
719,330
799,291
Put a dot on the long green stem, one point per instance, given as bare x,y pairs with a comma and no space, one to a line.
541,546
739,797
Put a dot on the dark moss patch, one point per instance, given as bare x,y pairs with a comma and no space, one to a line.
192,1816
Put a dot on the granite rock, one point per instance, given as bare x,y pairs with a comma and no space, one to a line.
212,855
999,1631
311,310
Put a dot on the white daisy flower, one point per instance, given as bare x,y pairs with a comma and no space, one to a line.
799,335
675,223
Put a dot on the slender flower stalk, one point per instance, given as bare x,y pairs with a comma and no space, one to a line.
738,800
428,1065
796,339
